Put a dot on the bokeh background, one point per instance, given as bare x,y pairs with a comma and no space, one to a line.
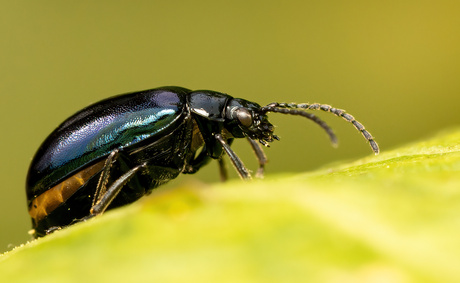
394,65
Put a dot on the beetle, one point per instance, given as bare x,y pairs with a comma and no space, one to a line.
115,151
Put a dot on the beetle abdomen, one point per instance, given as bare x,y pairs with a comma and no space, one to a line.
49,200
97,130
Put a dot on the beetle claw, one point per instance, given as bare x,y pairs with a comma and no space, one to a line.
264,143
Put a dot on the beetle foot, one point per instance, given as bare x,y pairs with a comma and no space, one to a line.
260,172
52,229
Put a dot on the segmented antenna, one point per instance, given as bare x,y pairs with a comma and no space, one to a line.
294,109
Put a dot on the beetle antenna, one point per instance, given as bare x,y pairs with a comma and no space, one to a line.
293,109
307,115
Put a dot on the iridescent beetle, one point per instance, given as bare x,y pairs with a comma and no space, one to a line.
121,148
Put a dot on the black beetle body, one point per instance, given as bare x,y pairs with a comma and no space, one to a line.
119,149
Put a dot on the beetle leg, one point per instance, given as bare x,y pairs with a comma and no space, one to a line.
236,161
261,157
52,229
102,183
222,169
201,160
222,165
113,191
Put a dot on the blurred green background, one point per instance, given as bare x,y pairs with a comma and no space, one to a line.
394,65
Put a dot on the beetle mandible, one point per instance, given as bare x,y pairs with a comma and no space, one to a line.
115,151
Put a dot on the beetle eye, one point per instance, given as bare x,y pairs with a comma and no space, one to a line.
244,116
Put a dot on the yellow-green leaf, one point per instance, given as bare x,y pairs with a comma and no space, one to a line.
388,218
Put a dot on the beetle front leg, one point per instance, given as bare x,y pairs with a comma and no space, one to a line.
223,173
236,161
261,157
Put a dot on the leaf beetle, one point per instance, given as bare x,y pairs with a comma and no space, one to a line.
115,151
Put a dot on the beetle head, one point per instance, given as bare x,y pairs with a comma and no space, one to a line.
245,119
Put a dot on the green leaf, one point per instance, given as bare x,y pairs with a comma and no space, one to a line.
388,218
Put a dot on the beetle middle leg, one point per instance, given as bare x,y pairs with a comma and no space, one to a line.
199,161
202,159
